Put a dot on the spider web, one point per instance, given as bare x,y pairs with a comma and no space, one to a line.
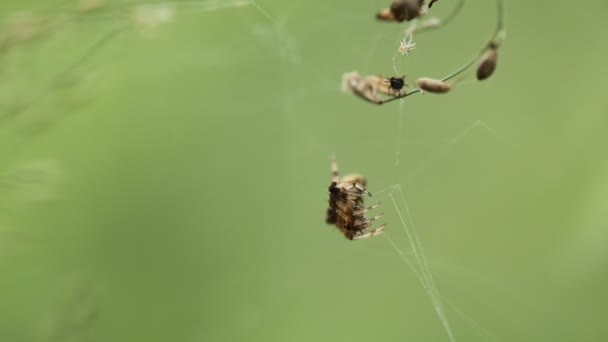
304,77
415,256
410,250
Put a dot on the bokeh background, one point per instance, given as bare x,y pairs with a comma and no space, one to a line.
164,169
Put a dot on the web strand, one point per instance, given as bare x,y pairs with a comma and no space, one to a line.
422,270
449,145
420,265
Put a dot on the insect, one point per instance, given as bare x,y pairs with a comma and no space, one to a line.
346,209
396,84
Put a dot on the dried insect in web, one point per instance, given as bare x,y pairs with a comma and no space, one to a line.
346,208
370,87
486,60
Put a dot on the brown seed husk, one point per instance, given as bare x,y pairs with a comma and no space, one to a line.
406,9
432,85
488,64
401,10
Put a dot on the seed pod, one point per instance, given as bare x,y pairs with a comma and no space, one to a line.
401,10
488,64
432,85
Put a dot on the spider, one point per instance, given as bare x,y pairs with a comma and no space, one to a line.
346,210
407,45
396,84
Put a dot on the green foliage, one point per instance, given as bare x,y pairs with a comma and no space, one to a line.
172,160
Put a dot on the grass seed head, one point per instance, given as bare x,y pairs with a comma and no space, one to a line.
488,64
432,85
402,10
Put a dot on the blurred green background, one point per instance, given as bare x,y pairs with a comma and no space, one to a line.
164,174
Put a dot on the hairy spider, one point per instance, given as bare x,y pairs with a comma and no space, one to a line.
346,210
396,84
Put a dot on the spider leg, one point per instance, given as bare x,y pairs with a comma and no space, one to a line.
366,223
335,176
363,211
374,232
359,187
362,189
